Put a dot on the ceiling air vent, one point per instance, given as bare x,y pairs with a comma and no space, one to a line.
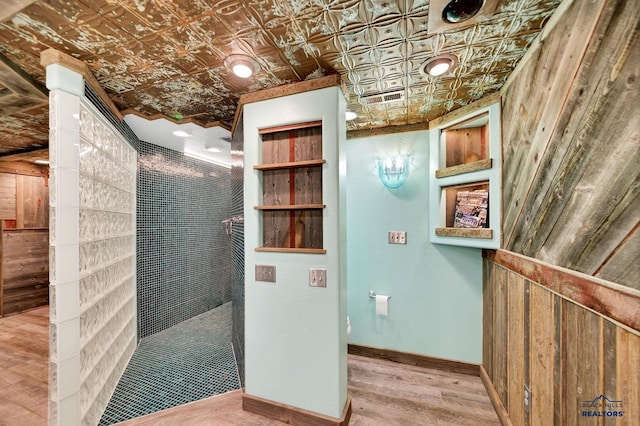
383,98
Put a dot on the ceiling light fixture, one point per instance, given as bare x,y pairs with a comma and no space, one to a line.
439,65
242,66
211,147
206,159
460,10
181,133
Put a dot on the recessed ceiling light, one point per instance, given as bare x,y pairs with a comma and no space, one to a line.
439,65
242,66
460,10
212,147
41,162
181,133
351,115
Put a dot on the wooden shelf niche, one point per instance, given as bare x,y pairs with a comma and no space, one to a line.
466,211
292,208
465,178
465,147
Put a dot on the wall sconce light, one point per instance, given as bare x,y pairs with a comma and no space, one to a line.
393,172
242,66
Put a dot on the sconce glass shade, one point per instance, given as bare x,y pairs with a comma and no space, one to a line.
393,172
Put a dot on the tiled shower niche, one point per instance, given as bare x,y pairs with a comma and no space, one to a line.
184,266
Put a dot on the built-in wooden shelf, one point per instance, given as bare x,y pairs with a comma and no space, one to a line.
464,168
290,165
483,233
292,207
291,250
465,179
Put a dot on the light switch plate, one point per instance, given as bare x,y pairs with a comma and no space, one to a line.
317,277
397,237
266,273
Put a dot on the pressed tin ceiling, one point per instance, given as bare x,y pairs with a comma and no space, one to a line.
165,57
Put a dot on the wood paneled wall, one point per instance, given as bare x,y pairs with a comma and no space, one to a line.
571,142
24,200
24,242
24,269
7,196
562,352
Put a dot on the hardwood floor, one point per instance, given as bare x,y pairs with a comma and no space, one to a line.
24,368
383,392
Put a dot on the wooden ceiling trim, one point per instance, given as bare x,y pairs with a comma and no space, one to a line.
285,90
24,168
11,7
175,120
53,56
467,109
19,93
36,154
356,134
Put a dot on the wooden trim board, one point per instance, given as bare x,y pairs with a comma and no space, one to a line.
285,90
416,360
502,413
293,415
465,110
390,130
485,233
619,303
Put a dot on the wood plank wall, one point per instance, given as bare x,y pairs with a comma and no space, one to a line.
24,269
7,196
562,352
24,242
24,200
571,142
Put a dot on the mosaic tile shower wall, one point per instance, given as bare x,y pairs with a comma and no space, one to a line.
184,267
92,258
237,249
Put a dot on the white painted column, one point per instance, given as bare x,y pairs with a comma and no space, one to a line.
66,89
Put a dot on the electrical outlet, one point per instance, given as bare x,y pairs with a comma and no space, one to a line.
266,273
317,277
397,237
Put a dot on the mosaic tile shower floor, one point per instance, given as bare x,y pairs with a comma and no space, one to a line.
190,361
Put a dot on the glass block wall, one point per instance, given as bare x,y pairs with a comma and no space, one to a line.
107,190
92,254
184,266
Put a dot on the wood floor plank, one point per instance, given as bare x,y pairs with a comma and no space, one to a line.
24,368
383,392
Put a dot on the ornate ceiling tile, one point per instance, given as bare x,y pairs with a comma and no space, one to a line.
167,56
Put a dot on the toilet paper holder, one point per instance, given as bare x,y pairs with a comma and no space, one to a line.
372,294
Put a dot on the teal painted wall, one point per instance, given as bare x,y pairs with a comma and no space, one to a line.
296,335
436,290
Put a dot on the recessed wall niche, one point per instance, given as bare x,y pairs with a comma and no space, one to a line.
465,176
292,203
